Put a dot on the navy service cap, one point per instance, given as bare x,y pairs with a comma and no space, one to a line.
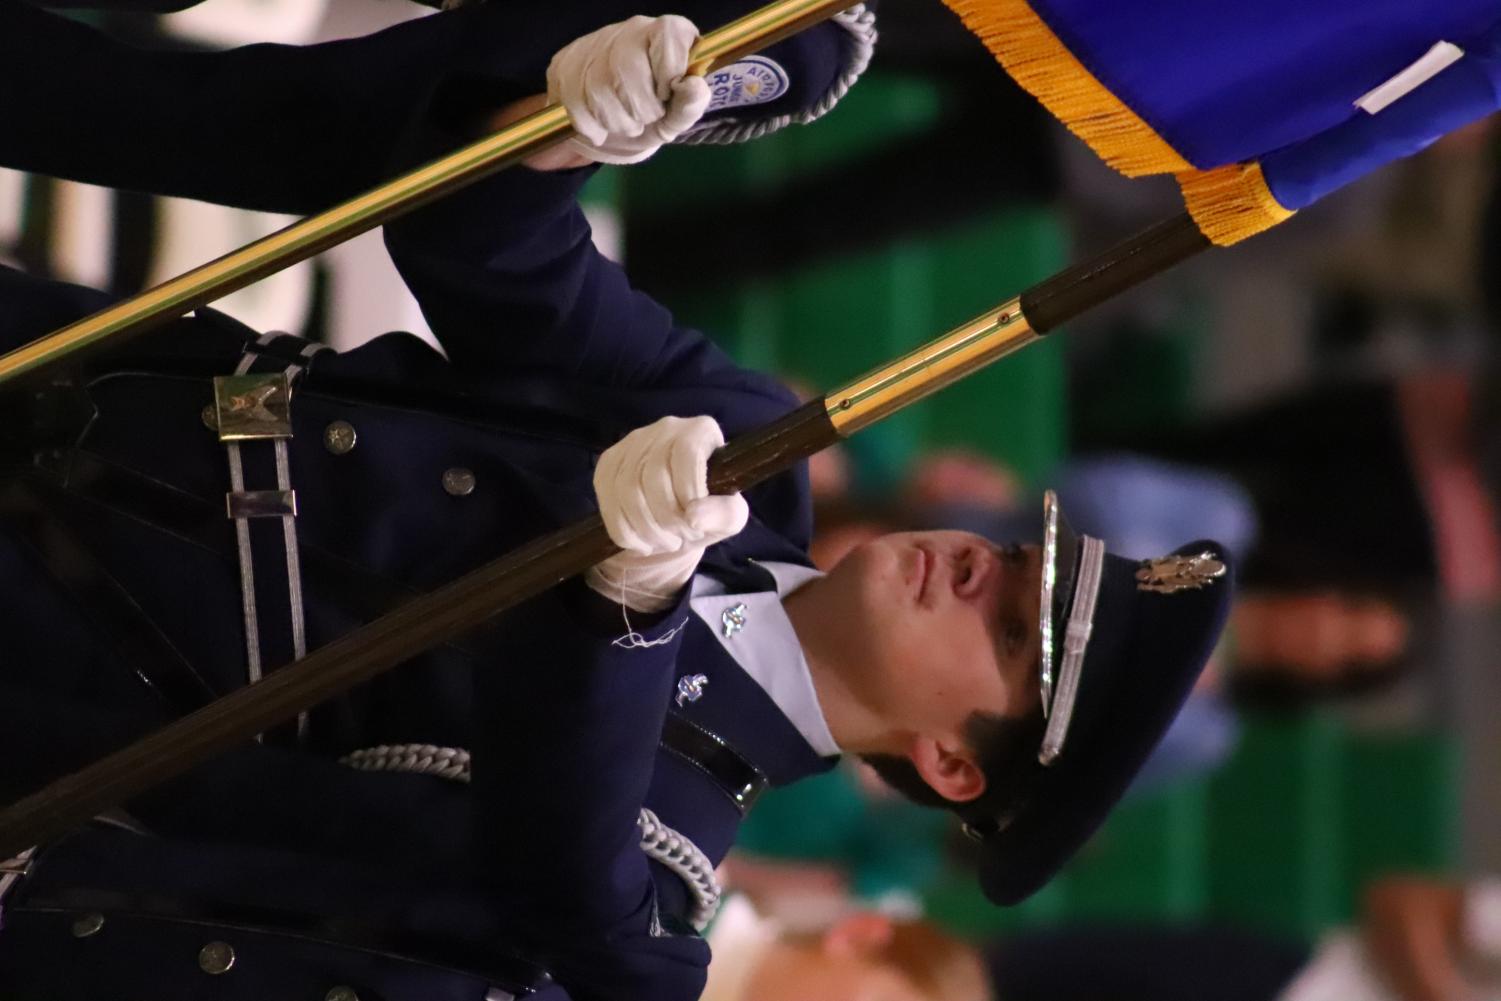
1123,643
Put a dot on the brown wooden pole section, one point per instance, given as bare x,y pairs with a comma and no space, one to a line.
472,599
1084,286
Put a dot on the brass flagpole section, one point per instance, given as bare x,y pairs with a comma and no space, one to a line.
470,600
315,234
886,390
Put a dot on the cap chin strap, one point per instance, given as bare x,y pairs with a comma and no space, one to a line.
1049,585
1075,643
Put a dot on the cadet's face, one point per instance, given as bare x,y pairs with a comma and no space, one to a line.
943,624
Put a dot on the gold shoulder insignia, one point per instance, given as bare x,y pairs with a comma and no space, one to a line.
1171,574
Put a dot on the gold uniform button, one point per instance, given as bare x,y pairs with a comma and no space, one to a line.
458,481
216,958
339,437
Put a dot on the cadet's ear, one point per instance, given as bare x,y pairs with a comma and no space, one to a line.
950,769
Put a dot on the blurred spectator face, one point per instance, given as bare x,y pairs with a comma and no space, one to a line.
868,957
816,973
829,474
1318,636
958,478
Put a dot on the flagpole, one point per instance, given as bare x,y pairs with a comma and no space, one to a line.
471,600
315,234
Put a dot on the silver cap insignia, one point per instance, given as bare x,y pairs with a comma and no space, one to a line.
1171,574
732,619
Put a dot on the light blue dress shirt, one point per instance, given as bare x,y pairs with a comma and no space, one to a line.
760,638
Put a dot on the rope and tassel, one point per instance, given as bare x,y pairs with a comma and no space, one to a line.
1230,203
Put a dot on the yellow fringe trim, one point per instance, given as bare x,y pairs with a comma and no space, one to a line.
1040,63
1230,203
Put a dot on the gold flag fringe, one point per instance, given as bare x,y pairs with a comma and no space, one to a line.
1024,44
1230,203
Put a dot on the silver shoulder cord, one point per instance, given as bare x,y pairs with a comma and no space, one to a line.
660,842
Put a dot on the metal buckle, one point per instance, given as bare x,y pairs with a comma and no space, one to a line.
974,833
254,407
990,827
261,503
20,865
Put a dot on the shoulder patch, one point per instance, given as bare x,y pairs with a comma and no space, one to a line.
751,81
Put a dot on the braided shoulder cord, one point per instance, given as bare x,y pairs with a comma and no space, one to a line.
418,759
673,850
860,27
683,858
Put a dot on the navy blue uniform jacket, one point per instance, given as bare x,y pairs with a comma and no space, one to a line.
552,356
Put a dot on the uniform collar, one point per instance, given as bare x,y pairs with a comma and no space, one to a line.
755,631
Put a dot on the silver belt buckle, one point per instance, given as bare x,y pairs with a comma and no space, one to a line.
12,871
253,407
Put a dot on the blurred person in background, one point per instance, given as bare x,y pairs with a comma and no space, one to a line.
1417,939
851,956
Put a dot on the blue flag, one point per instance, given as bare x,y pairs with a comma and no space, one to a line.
1259,108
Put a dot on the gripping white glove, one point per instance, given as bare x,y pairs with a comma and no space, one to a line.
653,491
625,87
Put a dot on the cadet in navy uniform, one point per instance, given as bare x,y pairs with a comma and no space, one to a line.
548,797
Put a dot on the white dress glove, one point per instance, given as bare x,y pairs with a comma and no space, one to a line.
625,87
653,493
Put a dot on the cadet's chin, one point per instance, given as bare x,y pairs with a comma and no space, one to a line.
874,588
869,566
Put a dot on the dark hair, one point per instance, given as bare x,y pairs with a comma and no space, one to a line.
1006,747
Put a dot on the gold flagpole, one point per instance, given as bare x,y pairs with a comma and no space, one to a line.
315,234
